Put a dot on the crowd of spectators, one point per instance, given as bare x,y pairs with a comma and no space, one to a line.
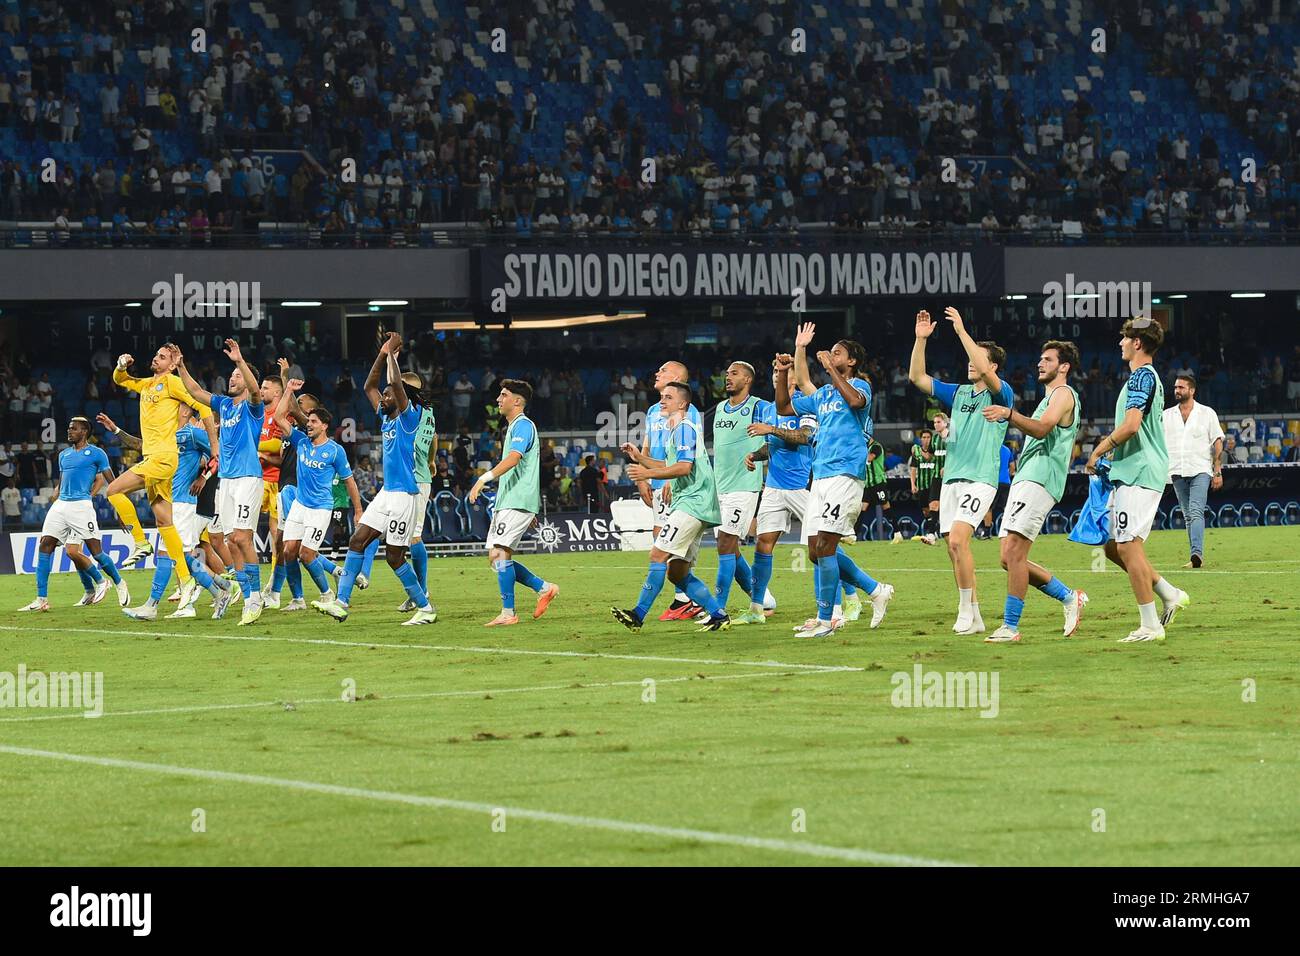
759,137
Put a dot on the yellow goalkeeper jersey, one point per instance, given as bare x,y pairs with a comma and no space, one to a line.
160,396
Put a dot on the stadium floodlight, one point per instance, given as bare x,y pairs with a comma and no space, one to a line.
1179,295
1247,295
1017,298
300,303
133,305
389,302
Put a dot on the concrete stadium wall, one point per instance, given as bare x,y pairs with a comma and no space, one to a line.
109,274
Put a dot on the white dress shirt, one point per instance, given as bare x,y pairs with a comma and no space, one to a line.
1191,442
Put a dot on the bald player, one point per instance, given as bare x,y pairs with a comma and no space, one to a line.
738,486
657,493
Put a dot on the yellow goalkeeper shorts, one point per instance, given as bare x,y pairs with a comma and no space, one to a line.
158,474
271,499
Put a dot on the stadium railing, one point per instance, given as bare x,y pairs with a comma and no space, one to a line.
304,235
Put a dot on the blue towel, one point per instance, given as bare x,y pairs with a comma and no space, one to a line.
1093,526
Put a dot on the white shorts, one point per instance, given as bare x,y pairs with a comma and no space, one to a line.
211,525
737,509
421,509
188,524
1132,512
391,513
308,525
834,505
778,506
657,505
680,536
508,528
1028,504
71,521
239,502
964,501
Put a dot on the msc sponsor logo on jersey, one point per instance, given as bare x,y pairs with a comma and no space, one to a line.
834,406
311,461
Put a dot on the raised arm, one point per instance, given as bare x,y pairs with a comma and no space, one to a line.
979,359
395,383
126,438
295,411
852,397
916,370
783,363
281,413
803,338
372,389
251,381
197,391
122,377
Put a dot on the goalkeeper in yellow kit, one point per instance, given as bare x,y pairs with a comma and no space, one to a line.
160,396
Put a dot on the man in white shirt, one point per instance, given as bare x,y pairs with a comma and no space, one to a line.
1195,442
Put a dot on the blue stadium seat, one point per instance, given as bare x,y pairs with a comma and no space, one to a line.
1292,514
1274,514
1248,516
478,518
448,526
1228,516
882,529
907,527
1177,520
1056,523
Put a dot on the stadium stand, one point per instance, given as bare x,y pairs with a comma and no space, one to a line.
156,140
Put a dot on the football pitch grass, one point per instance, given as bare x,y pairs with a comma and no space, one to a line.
544,744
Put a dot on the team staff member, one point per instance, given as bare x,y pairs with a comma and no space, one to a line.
1195,441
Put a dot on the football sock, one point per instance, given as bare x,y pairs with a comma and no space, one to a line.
654,583
126,515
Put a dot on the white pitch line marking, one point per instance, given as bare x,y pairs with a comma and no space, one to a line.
430,647
948,571
200,708
825,851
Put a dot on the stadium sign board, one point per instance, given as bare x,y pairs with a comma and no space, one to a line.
538,275
567,533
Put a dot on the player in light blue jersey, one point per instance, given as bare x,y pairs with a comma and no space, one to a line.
194,448
319,460
788,450
392,511
657,493
839,470
239,415
70,521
